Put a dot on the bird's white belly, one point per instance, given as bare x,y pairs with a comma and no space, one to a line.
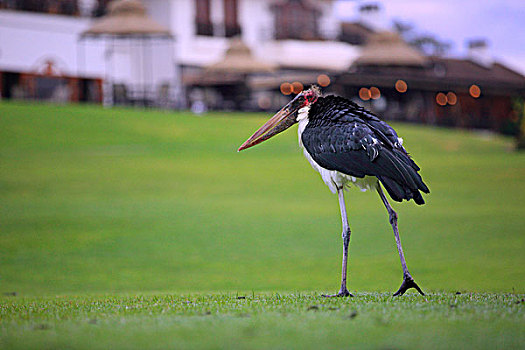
333,178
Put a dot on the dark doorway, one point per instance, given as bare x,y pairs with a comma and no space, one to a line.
9,81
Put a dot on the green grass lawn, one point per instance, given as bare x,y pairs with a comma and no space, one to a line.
265,321
103,209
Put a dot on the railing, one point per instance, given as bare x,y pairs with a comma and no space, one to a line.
269,34
217,30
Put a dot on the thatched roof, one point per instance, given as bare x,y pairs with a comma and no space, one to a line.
389,49
239,59
441,74
126,18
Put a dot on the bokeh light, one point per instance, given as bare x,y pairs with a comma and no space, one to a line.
441,99
401,86
364,94
375,93
286,88
323,80
474,91
297,87
264,102
452,99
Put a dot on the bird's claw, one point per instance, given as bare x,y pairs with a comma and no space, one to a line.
408,282
341,293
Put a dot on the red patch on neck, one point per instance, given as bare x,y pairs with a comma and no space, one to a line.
310,97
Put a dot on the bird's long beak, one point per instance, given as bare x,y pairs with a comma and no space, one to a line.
281,121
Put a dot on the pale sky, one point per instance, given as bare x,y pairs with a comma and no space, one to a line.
501,22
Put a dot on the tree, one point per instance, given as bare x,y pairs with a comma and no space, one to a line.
519,109
427,43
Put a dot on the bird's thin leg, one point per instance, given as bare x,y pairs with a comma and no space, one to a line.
343,292
408,281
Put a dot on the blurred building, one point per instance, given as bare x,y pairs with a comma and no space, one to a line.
298,37
38,52
242,54
45,54
474,92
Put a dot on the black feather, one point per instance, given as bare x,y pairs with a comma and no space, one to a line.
343,136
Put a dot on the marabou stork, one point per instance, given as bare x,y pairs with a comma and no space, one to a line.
348,145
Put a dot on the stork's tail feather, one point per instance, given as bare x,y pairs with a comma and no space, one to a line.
398,192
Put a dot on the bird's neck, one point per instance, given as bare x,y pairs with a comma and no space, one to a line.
302,119
303,113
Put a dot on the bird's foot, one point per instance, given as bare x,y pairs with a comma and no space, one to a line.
408,282
342,293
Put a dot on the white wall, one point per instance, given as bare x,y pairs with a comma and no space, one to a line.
256,20
329,23
314,55
27,40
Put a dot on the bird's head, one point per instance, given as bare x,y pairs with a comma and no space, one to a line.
283,119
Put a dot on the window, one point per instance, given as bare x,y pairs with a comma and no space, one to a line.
296,19
202,18
231,23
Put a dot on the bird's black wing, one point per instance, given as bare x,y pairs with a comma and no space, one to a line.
343,136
